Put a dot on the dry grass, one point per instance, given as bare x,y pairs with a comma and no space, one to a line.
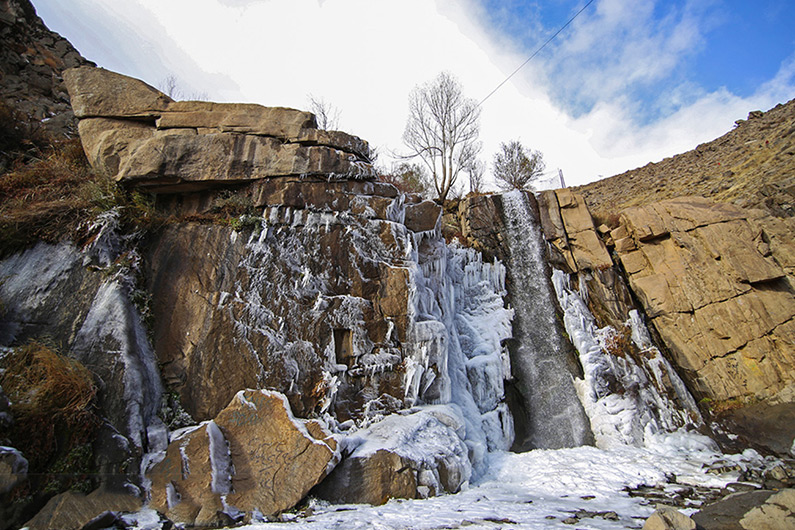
38,380
53,401
49,197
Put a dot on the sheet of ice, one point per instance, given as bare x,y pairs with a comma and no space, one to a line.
455,352
540,488
114,328
221,469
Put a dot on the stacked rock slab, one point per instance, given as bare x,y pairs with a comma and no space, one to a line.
720,301
141,137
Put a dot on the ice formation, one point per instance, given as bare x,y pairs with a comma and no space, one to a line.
455,348
627,398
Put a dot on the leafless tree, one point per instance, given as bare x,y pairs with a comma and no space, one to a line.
442,130
328,116
170,87
476,169
516,167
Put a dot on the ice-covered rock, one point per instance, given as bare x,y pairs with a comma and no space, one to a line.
253,458
414,454
628,389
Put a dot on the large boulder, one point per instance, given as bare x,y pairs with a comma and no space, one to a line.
139,136
722,304
751,510
411,455
253,459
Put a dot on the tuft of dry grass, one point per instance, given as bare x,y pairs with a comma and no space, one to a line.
52,403
38,380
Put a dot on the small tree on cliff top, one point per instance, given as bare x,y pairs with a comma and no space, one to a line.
442,130
516,167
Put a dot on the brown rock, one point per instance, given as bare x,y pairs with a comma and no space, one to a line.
778,512
96,92
72,511
667,518
722,307
423,217
139,136
387,464
171,159
246,118
374,480
255,456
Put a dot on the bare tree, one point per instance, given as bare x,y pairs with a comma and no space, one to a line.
476,169
170,87
516,167
328,116
442,130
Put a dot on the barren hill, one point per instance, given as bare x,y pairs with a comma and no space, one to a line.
753,165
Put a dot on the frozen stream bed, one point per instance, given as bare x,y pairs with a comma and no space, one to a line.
540,489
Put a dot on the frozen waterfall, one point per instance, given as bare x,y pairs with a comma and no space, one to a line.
547,411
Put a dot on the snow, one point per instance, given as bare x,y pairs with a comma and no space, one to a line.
540,488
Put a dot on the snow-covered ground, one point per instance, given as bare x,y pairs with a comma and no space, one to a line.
540,489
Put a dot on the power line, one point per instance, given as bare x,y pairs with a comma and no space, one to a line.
536,52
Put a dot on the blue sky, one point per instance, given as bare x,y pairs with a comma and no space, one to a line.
630,81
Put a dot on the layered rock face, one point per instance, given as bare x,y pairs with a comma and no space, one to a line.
334,291
139,136
709,281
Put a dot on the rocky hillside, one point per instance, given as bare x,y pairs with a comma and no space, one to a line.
32,59
752,166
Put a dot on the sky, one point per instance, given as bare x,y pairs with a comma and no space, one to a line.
626,83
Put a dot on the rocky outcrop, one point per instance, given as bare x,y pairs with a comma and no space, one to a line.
721,303
253,460
141,137
753,510
312,303
76,511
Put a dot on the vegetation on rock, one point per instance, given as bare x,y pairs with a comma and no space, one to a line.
516,167
55,421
